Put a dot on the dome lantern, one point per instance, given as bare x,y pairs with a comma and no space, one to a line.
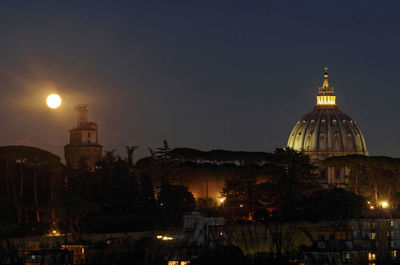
326,94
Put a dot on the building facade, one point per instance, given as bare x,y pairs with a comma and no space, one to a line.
83,149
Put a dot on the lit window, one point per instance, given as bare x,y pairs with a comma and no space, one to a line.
185,262
394,253
173,262
392,244
372,236
392,223
371,256
347,255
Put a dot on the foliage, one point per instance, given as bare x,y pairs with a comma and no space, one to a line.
290,176
174,200
332,204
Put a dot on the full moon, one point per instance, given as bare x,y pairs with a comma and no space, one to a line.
53,101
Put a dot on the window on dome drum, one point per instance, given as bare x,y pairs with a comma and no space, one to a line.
344,121
334,122
323,121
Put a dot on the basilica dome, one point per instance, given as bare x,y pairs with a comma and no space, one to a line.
327,131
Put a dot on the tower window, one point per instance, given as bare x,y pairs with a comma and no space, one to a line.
88,135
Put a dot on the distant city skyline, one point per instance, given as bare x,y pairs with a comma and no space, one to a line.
209,75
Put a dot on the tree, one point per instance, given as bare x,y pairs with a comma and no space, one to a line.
293,176
239,193
71,209
38,161
326,204
129,151
174,200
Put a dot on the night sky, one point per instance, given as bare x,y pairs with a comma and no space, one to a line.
233,75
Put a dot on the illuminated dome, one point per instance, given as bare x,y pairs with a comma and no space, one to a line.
327,131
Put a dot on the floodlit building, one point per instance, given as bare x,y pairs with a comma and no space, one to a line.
380,235
326,131
373,239
83,149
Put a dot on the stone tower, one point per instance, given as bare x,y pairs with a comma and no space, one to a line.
83,148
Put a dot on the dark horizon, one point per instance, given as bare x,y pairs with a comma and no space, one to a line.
203,75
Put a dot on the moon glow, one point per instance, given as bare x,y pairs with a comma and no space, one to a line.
53,101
